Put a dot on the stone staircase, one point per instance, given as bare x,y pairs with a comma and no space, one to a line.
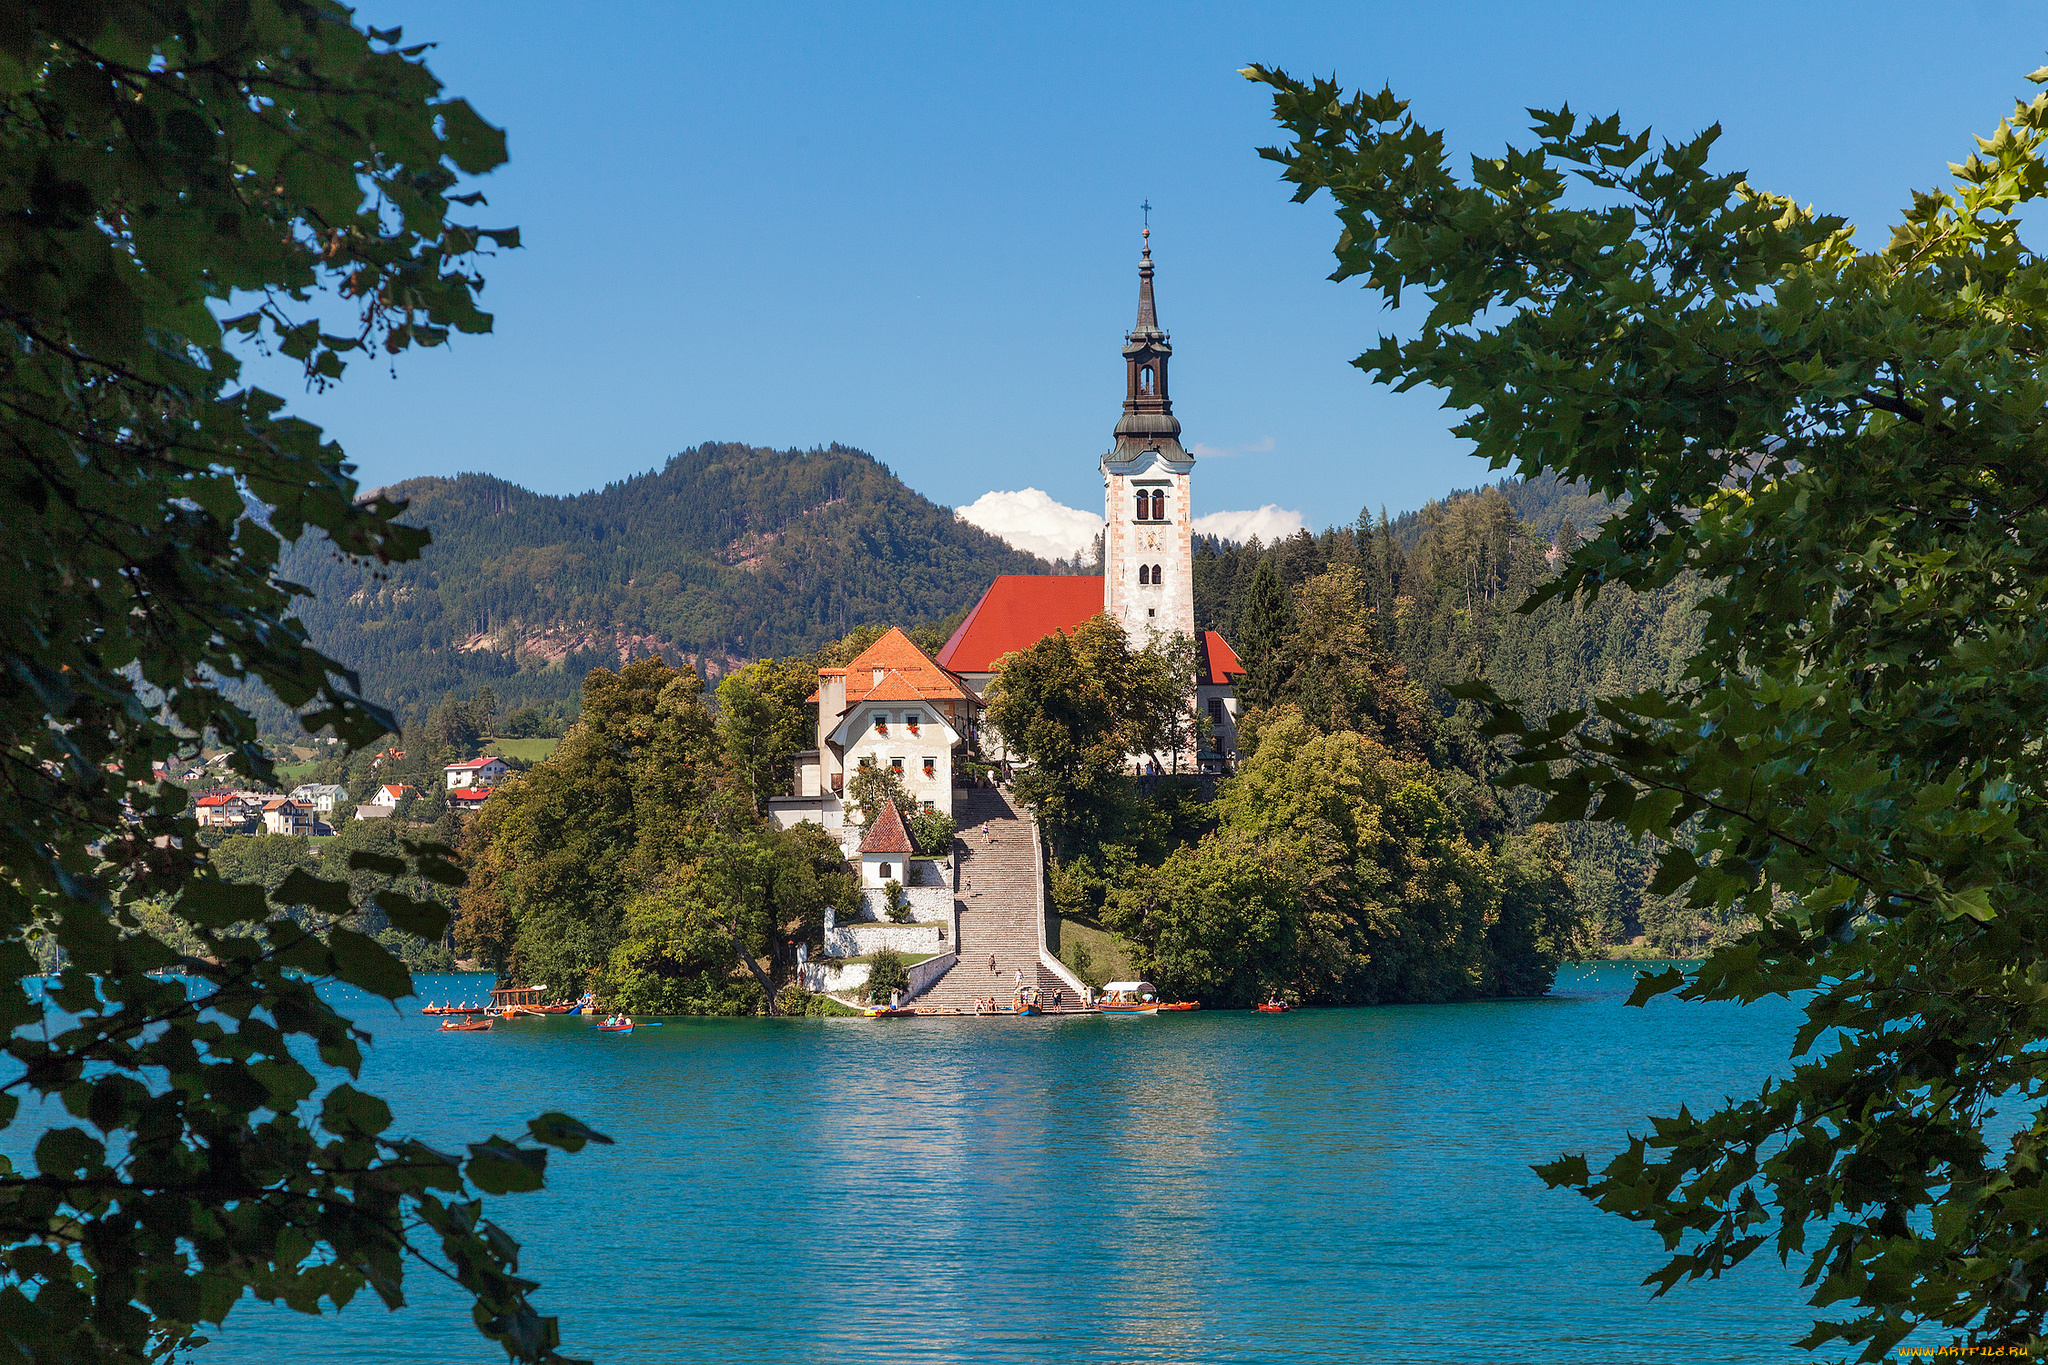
1000,914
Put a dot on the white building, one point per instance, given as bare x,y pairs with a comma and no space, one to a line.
487,771
892,707
323,797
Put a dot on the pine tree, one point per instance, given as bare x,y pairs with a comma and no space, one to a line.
1263,623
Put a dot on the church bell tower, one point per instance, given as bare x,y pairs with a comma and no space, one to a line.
1147,562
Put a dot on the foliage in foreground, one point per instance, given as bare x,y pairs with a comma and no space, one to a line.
162,162
1851,446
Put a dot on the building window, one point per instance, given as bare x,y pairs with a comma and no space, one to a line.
1144,574
1158,574
1216,710
1145,380
881,724
887,870
912,721
930,807
896,766
1141,504
931,770
867,760
1159,504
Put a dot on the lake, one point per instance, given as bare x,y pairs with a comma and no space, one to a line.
1328,1185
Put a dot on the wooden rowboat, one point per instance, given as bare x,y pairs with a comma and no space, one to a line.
1183,1005
1275,1007
467,1026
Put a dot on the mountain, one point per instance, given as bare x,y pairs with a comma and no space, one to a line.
727,553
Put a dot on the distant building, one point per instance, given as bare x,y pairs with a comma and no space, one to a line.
469,799
225,810
282,815
389,794
885,850
487,771
323,797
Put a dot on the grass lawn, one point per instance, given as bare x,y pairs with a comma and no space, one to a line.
1108,959
530,750
290,775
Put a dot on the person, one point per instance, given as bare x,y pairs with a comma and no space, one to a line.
1020,978
991,962
1055,998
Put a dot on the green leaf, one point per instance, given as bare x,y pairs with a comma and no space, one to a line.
361,961
559,1130
501,1167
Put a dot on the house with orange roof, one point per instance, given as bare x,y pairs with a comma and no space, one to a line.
892,706
282,815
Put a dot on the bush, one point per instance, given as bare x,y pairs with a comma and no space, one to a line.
932,832
886,973
894,903
796,1002
1082,962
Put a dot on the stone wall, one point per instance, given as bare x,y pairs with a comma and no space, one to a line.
912,940
928,904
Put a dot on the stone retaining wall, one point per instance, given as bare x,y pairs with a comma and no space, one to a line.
912,940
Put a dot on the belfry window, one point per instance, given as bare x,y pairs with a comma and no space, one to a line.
1144,574
1158,574
1159,505
1145,380
1141,504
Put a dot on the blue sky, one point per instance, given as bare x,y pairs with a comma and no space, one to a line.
914,229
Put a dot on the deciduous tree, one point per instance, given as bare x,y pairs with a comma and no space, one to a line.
1851,446
166,165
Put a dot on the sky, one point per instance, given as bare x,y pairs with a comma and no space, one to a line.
914,229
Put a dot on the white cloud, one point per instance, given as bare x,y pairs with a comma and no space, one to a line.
1268,523
1202,452
1030,520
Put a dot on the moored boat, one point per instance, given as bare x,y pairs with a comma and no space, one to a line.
1121,999
1182,1005
1026,1001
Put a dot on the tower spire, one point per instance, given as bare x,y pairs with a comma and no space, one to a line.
1148,421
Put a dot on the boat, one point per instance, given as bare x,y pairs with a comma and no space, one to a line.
1123,998
889,1012
1183,1005
467,1026
610,1028
1026,1001
1275,1007
454,1009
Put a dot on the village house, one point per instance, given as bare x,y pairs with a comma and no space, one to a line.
487,771
322,797
468,800
282,815
226,810
383,801
892,707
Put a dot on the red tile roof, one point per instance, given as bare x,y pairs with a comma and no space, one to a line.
888,835
908,673
1016,612
486,761
1220,667
471,793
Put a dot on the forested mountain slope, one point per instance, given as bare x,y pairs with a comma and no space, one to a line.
728,553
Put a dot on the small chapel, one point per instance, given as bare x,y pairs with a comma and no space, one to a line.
897,706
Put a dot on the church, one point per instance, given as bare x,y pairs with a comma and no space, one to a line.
894,697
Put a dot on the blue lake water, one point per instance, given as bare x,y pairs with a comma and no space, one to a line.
1335,1185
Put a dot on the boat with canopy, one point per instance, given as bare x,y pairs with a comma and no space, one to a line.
1122,998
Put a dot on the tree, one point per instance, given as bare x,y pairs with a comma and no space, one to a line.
1055,713
764,722
1849,445
163,163
1262,624
873,786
